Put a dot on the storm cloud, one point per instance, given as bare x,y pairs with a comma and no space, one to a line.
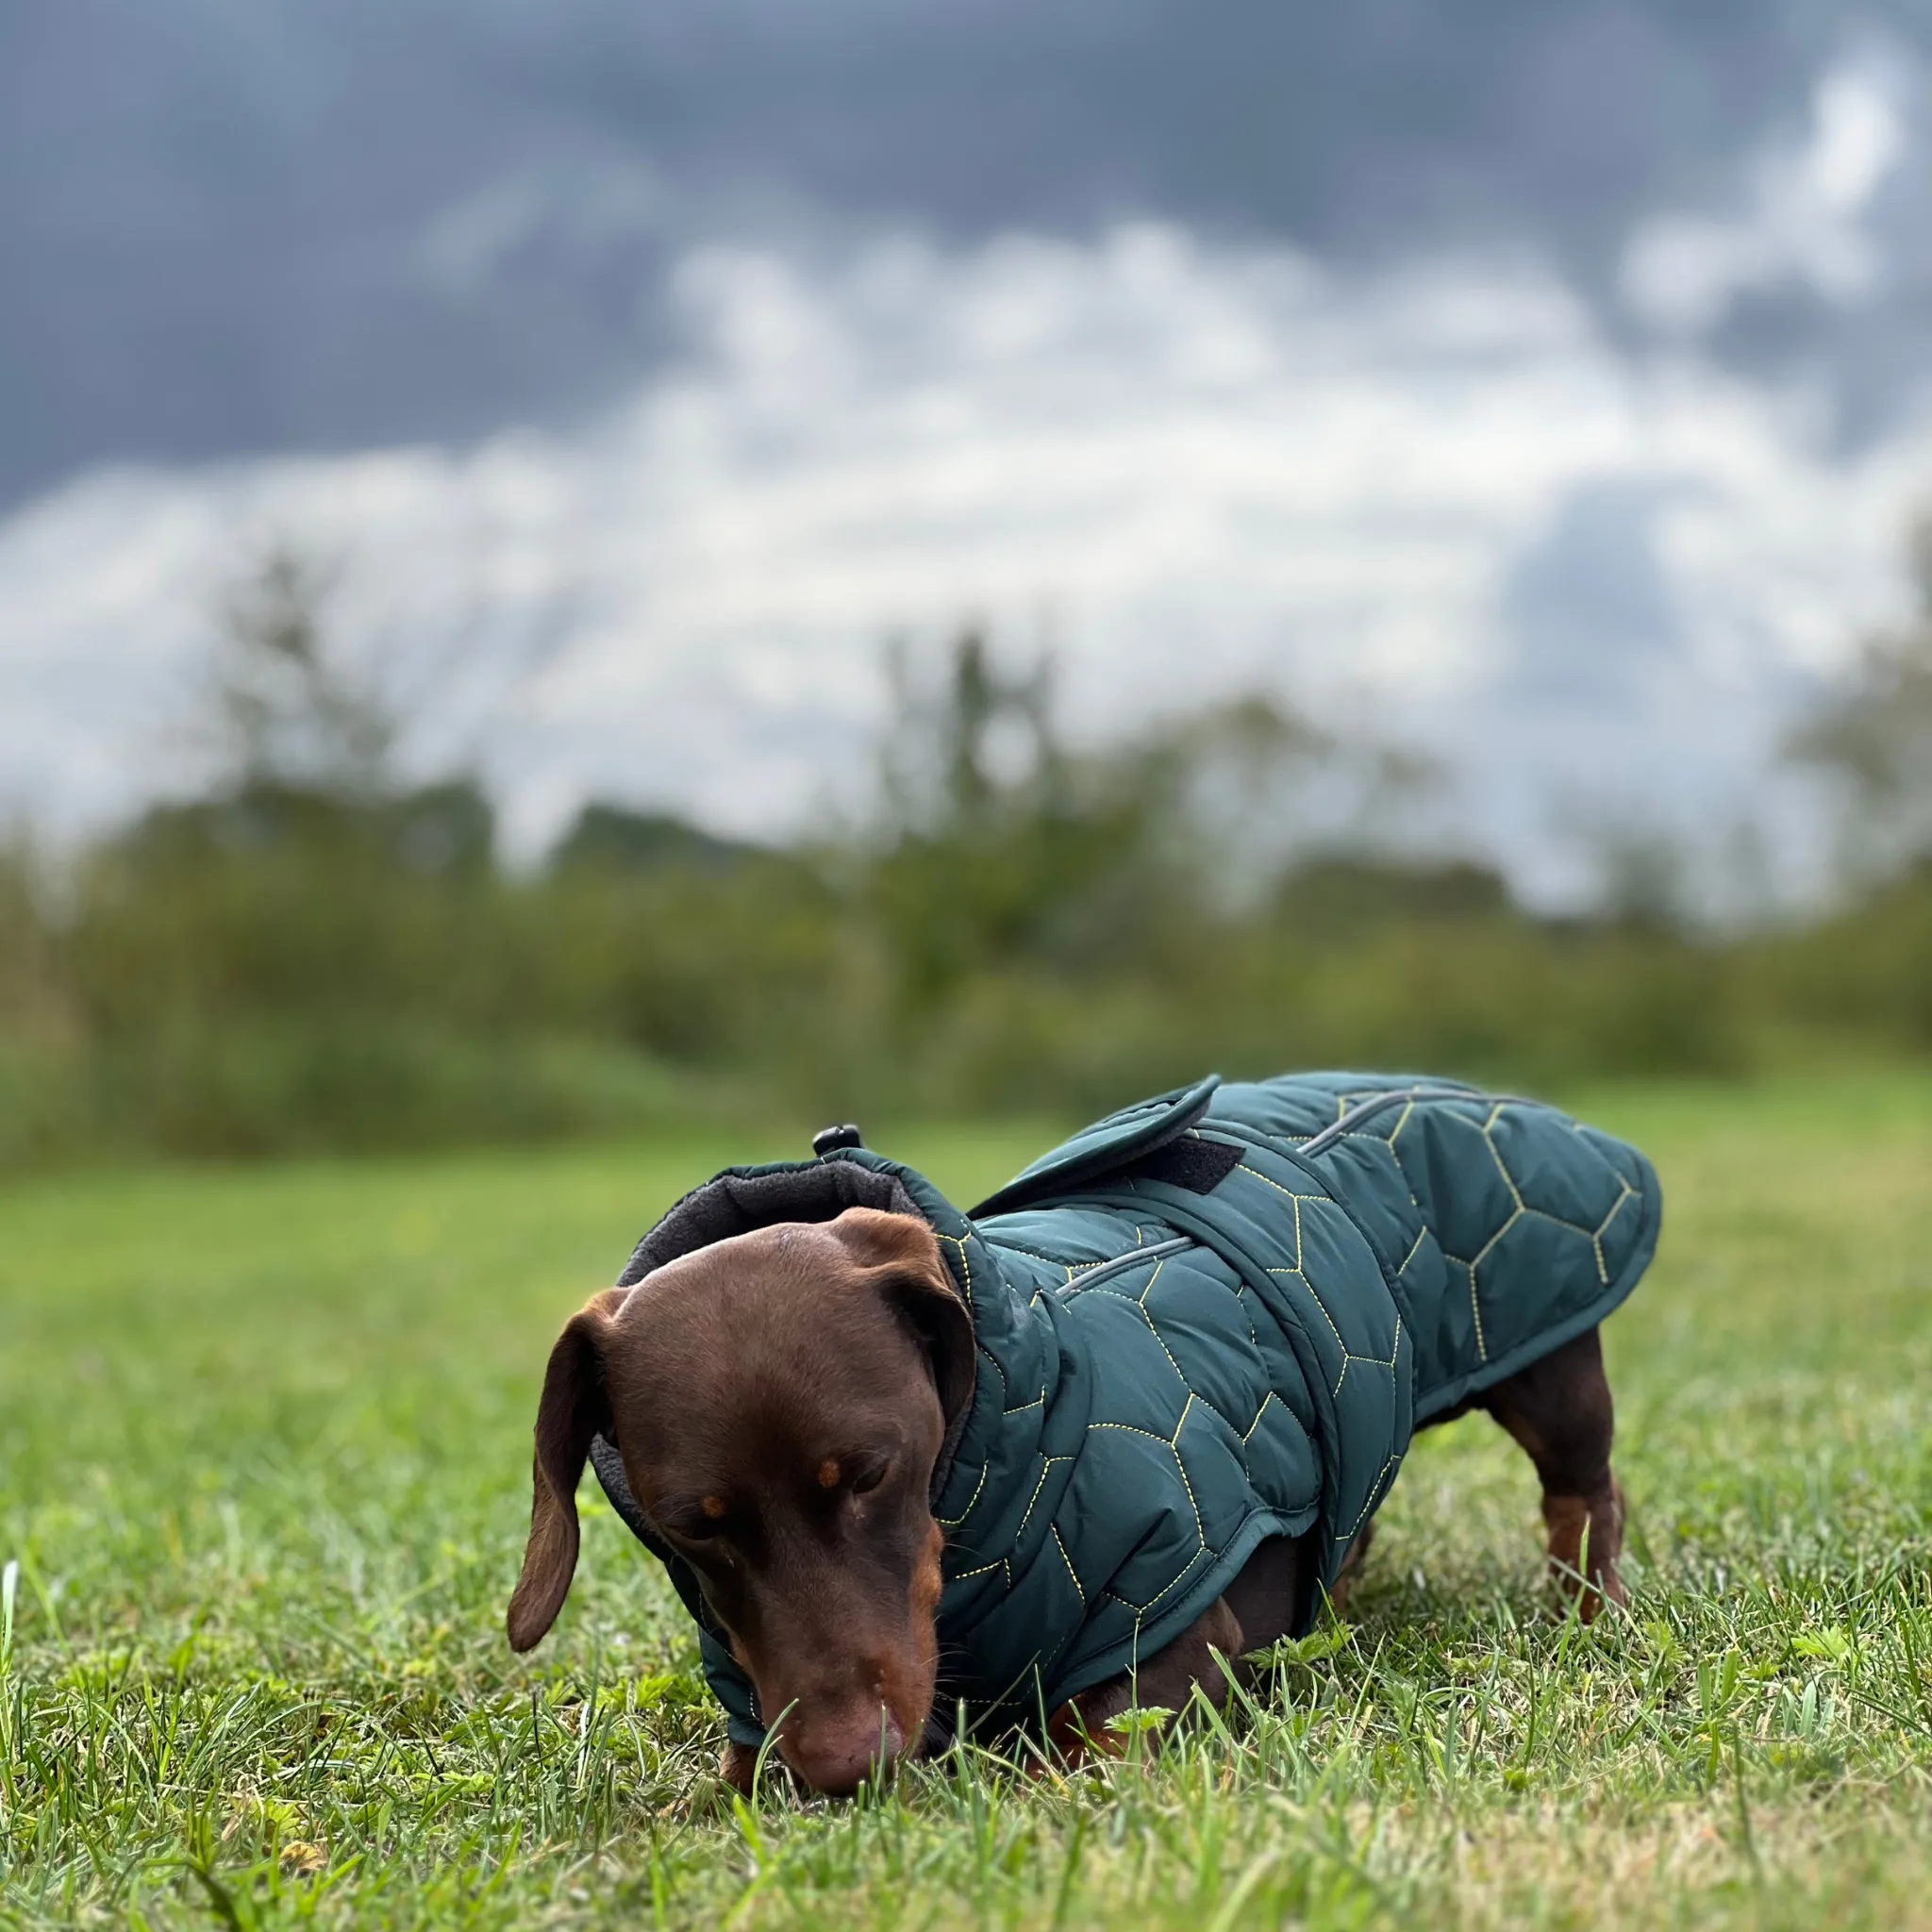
231,230
1546,384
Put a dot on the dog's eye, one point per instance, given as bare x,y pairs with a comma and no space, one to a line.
870,1477
699,1523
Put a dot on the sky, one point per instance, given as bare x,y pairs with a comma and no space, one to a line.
1540,383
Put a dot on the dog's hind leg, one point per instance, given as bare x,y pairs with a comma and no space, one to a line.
1559,1410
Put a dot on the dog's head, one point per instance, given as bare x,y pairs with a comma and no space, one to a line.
779,1399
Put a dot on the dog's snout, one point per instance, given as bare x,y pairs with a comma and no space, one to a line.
839,1734
836,1753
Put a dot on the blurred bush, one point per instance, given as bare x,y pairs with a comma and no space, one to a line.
318,956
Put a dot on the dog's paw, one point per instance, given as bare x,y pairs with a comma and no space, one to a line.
1084,1730
1586,1540
738,1766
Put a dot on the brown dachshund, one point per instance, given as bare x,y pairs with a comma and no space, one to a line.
779,1399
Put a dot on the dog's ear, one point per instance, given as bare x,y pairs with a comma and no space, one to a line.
905,1253
574,1408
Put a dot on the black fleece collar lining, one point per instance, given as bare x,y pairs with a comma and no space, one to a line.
741,1201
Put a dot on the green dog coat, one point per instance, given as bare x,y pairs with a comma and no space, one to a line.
1212,1318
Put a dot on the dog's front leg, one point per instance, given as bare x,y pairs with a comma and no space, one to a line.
738,1765
1559,1410
1165,1682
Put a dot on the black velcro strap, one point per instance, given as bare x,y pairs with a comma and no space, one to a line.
1198,1166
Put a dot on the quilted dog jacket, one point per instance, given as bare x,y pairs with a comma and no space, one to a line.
1212,1318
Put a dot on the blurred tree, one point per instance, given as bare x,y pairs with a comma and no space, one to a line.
965,753
445,830
315,954
303,749
287,713
1339,895
1005,847
31,992
1644,879
614,838
1873,738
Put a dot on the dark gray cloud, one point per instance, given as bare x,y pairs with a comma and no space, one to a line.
232,229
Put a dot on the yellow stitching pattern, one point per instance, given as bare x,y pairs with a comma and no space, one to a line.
958,1240
1371,1361
993,1362
1181,1580
1375,1496
954,1522
1175,1444
1502,1167
1244,1168
1054,1530
1134,1429
1314,1295
1194,1395
1596,1239
1241,1302
1326,1315
1047,1464
1203,1550
1488,1246
1169,1442
1296,1269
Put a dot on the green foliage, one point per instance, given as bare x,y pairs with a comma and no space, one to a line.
610,840
1866,974
293,964
1873,738
264,1454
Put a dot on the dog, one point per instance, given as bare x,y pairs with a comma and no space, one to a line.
802,1391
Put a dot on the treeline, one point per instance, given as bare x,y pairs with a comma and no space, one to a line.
314,956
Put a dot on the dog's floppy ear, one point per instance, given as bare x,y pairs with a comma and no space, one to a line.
906,1254
574,1408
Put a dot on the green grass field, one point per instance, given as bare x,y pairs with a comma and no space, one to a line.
264,1469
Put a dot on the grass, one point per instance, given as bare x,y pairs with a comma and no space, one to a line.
263,1471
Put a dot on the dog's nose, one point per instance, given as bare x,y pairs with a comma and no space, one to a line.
835,1757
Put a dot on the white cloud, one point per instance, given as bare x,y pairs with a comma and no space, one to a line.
1196,467
1803,223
